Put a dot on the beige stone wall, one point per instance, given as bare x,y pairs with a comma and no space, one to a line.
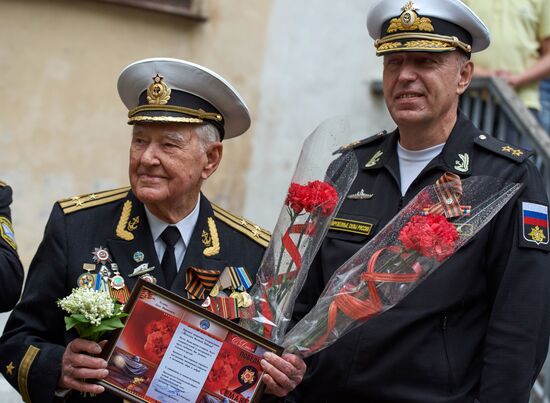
62,126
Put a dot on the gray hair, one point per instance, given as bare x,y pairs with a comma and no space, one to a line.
207,133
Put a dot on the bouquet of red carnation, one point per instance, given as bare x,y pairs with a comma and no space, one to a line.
307,212
429,230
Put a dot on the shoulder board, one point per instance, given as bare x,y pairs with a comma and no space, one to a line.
82,202
246,227
502,148
2,184
359,143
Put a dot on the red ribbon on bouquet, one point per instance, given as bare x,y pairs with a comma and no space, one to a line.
361,309
430,236
291,247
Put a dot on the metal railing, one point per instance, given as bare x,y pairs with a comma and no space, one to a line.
494,107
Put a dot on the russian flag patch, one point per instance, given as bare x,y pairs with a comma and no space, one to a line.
534,218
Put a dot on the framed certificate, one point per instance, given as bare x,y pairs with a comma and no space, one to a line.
172,350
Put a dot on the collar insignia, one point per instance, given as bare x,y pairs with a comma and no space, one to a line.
158,92
206,239
374,159
409,21
133,223
464,164
125,225
361,195
212,247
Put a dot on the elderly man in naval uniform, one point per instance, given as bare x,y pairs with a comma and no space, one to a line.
161,228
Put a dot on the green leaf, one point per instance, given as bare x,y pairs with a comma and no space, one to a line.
70,322
91,333
79,317
82,328
113,322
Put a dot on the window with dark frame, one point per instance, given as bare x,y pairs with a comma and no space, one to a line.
187,8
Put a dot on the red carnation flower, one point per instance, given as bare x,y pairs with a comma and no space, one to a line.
323,196
296,197
314,195
430,235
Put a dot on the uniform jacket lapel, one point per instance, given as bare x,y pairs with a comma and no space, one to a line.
123,248
194,255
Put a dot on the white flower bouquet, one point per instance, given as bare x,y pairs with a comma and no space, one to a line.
92,313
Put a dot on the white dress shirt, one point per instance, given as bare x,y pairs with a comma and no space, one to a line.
411,163
185,227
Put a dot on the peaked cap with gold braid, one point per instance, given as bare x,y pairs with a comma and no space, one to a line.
163,90
425,26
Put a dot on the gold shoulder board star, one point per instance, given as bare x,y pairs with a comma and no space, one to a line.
9,368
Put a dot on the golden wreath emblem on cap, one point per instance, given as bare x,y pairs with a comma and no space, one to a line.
409,21
158,92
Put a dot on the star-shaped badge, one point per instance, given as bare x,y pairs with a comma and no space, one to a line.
9,368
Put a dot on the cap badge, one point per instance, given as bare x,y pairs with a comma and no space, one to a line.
409,21
158,92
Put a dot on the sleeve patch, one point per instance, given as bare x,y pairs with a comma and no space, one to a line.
6,232
534,226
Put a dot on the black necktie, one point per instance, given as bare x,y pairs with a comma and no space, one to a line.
170,236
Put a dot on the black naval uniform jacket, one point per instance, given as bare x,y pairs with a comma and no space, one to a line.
477,328
11,269
35,338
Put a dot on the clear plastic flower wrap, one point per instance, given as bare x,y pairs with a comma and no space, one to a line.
321,180
423,235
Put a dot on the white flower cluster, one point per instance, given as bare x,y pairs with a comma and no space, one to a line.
94,305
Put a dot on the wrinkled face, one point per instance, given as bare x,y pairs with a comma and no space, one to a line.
422,87
167,163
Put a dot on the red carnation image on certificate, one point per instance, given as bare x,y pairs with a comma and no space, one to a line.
149,332
236,372
159,333
223,372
